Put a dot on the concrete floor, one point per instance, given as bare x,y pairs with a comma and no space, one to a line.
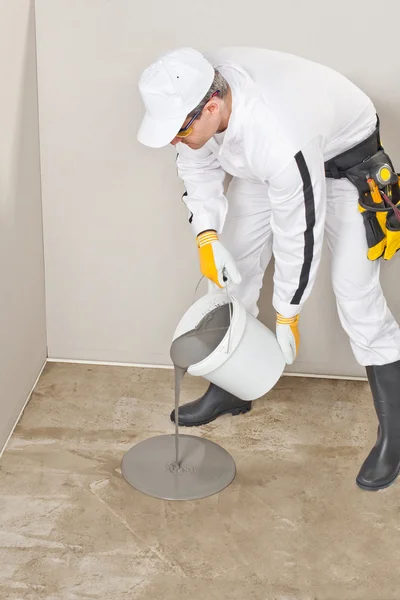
292,526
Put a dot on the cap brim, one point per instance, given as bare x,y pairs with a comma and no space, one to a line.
156,133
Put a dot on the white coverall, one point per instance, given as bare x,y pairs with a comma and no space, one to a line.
289,116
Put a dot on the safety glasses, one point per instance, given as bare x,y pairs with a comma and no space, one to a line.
187,130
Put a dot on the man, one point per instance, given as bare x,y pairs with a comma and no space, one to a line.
295,136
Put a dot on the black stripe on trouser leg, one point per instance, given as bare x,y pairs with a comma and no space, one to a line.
309,206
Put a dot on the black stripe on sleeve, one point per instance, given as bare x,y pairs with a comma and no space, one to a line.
309,206
191,214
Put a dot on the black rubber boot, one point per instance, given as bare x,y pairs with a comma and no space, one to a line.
382,465
214,403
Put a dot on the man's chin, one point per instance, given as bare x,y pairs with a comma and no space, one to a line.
194,146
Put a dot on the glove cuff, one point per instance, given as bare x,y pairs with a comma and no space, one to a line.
286,321
206,238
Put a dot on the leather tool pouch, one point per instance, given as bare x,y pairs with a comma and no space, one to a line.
379,197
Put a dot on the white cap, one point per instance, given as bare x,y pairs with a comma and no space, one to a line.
171,88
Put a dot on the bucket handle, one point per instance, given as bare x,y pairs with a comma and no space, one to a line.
230,303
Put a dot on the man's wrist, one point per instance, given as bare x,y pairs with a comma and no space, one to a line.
206,237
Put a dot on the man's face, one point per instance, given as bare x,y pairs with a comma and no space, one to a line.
203,128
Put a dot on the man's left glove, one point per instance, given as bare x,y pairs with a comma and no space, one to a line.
287,333
216,263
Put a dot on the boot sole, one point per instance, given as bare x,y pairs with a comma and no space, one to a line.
369,488
234,412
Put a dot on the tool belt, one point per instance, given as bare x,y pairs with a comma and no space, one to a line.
370,169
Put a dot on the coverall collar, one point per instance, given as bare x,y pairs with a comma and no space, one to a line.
239,81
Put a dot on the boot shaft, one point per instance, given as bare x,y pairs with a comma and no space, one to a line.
384,381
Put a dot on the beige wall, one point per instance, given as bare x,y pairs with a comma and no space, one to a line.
22,301
120,261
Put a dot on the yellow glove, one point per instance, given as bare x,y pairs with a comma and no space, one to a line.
288,336
216,263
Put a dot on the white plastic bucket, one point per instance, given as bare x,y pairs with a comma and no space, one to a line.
248,362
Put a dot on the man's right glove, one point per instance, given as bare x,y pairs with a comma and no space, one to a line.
216,263
288,336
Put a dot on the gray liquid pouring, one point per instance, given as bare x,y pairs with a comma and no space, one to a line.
184,467
193,347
